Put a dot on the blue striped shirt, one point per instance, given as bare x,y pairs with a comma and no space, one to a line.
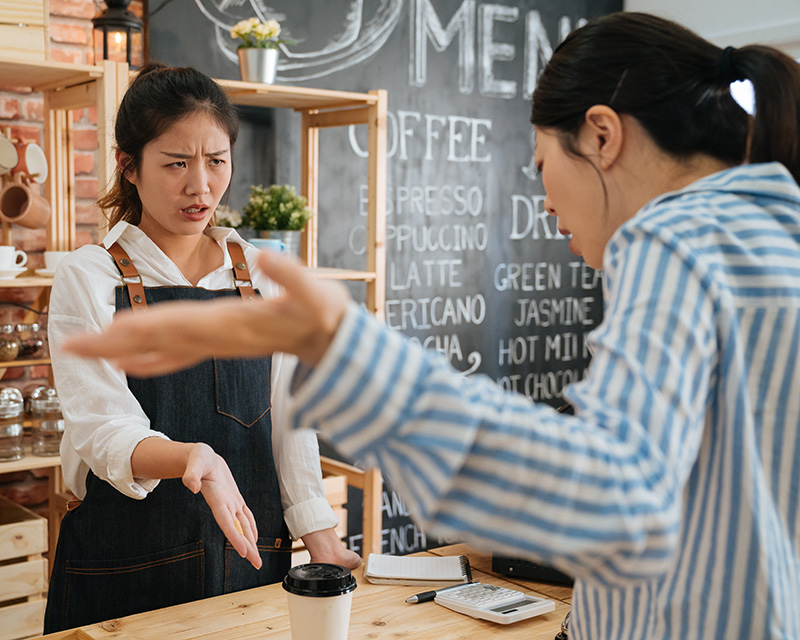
673,494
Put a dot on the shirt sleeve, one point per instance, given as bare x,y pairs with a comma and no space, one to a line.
296,453
598,494
103,420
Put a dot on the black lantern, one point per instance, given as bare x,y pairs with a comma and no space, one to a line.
118,34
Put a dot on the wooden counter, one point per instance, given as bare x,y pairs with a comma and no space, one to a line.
379,611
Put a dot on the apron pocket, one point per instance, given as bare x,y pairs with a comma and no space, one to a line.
243,389
276,555
106,589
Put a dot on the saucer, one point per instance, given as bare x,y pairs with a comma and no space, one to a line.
45,273
7,274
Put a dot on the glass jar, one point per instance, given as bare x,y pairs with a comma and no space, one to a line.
31,341
47,422
11,432
9,343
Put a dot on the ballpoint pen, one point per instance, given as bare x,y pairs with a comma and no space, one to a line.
427,596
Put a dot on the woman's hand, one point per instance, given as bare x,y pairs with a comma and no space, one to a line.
207,473
176,335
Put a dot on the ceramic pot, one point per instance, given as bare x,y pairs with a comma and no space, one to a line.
258,65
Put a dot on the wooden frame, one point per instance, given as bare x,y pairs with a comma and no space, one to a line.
370,482
319,109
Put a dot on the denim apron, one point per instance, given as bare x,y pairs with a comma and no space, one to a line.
116,555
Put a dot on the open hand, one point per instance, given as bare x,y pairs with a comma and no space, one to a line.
208,473
176,335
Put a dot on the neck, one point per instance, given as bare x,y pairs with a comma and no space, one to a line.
646,172
194,255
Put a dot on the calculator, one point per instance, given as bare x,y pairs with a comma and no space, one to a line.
490,602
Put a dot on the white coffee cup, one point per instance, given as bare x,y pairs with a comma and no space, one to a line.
52,258
32,161
320,596
12,258
9,157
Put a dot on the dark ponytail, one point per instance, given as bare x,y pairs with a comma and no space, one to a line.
776,126
677,85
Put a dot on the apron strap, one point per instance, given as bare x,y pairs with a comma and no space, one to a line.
133,281
241,273
130,276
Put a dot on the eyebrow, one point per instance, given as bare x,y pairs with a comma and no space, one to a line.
184,156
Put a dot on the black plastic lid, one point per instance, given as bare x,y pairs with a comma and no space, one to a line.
319,580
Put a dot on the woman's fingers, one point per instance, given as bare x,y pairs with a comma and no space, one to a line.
241,537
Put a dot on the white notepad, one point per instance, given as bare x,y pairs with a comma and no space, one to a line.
426,570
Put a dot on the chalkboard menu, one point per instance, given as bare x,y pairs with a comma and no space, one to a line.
476,269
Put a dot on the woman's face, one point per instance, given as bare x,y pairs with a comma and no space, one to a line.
182,177
573,193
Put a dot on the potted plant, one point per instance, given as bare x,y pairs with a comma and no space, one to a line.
277,212
258,49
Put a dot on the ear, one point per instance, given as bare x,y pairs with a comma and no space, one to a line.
123,159
603,134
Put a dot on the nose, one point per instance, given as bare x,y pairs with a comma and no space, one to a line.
197,180
548,206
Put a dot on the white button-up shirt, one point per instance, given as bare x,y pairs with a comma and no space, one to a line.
105,422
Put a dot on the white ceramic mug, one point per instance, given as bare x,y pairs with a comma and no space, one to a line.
11,257
8,155
32,161
52,258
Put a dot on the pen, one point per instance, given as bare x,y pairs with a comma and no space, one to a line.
427,596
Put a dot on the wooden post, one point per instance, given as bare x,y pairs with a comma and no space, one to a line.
376,205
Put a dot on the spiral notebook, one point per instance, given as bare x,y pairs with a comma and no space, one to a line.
419,571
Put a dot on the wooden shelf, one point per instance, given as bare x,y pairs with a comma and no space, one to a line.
46,76
255,94
326,273
25,281
10,364
29,462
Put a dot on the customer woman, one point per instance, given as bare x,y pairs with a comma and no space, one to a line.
673,493
183,485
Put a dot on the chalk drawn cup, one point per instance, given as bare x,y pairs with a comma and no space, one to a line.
32,161
12,258
320,596
8,155
272,244
20,204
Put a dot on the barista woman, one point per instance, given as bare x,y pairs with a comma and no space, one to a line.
185,490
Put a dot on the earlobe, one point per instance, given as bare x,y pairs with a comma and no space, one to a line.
604,131
123,159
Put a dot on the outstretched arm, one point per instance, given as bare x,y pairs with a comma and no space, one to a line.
176,335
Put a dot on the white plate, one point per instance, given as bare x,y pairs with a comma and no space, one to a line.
12,273
46,273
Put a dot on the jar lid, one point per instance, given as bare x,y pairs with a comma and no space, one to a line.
44,398
10,402
319,580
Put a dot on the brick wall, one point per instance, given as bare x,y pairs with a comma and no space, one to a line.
21,114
